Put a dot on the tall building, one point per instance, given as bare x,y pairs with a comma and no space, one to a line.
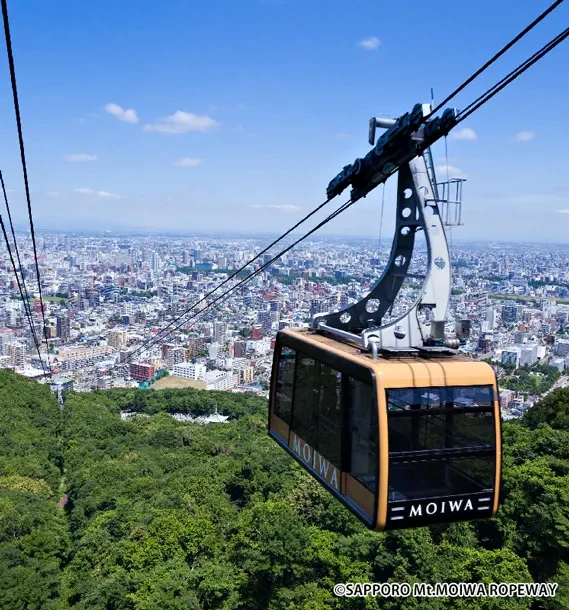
165,348
509,312
219,332
240,349
484,344
264,318
176,355
317,306
16,351
155,262
195,346
186,258
63,327
117,338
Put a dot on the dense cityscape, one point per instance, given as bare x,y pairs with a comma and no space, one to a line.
128,311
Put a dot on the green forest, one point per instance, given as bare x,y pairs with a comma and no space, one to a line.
148,513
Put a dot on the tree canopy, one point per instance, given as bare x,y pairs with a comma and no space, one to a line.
148,512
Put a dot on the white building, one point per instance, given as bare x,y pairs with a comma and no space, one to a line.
213,350
220,380
528,355
189,370
224,363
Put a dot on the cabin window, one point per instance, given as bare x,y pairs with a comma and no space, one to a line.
285,382
362,429
317,413
329,422
306,395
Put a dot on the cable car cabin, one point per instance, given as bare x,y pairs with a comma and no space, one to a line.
402,442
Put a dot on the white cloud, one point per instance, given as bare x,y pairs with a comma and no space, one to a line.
464,134
565,211
280,208
128,116
341,135
453,172
239,129
525,136
53,194
371,44
182,122
103,194
188,162
81,157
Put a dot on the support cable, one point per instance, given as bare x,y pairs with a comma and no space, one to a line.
511,76
496,56
9,248
27,305
23,159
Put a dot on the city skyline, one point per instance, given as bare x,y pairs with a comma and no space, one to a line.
106,298
227,122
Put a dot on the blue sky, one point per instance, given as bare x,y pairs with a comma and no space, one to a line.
234,115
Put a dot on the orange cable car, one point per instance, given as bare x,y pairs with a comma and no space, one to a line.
401,441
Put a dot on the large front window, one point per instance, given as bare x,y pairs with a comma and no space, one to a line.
441,441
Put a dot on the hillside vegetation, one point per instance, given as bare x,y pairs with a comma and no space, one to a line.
169,515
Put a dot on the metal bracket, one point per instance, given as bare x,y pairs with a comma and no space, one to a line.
417,209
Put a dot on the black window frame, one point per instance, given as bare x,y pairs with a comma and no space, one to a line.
452,453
